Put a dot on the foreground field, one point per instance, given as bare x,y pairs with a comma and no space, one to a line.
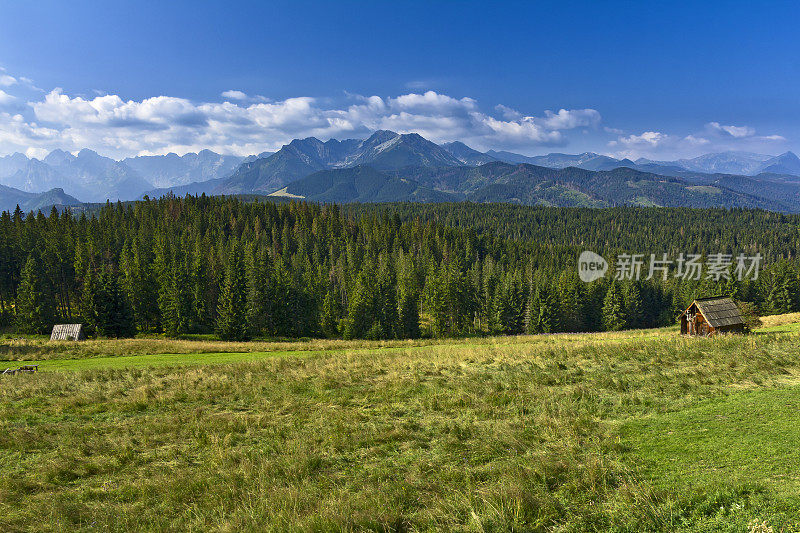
630,431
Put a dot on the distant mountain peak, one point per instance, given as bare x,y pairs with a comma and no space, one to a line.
467,155
380,137
58,157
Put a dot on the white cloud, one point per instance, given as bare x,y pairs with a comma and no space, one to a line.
648,138
568,119
38,153
507,112
696,141
36,122
432,102
715,138
234,95
240,124
7,81
736,132
6,98
654,144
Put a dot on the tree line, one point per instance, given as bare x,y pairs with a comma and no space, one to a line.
246,269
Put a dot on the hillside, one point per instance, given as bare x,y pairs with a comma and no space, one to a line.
359,185
467,155
533,185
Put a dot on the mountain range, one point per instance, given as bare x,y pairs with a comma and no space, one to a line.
95,178
388,166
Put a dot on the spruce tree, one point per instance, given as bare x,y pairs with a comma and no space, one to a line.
178,311
634,309
259,292
232,310
361,313
613,309
436,304
547,320
386,304
113,310
88,301
36,306
330,316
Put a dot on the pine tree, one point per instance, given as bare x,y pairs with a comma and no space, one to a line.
140,287
633,306
386,303
408,305
548,312
571,296
436,304
232,311
202,294
113,310
88,301
330,316
259,301
361,319
178,310
36,306
613,309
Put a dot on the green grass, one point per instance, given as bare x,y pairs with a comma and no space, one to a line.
739,453
749,437
783,328
554,433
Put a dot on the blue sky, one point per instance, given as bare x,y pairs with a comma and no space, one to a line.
659,80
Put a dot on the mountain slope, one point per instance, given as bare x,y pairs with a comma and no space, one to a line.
382,150
467,155
173,170
787,163
95,178
528,184
195,189
360,184
386,150
10,198
10,164
742,163
35,176
535,185
270,173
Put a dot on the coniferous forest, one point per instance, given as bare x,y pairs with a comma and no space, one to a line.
247,269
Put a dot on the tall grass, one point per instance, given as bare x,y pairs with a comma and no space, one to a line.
489,435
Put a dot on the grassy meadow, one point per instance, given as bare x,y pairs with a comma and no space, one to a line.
632,431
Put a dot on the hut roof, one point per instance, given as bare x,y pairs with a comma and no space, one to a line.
719,311
67,332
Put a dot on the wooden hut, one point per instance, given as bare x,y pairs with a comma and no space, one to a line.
709,316
67,332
